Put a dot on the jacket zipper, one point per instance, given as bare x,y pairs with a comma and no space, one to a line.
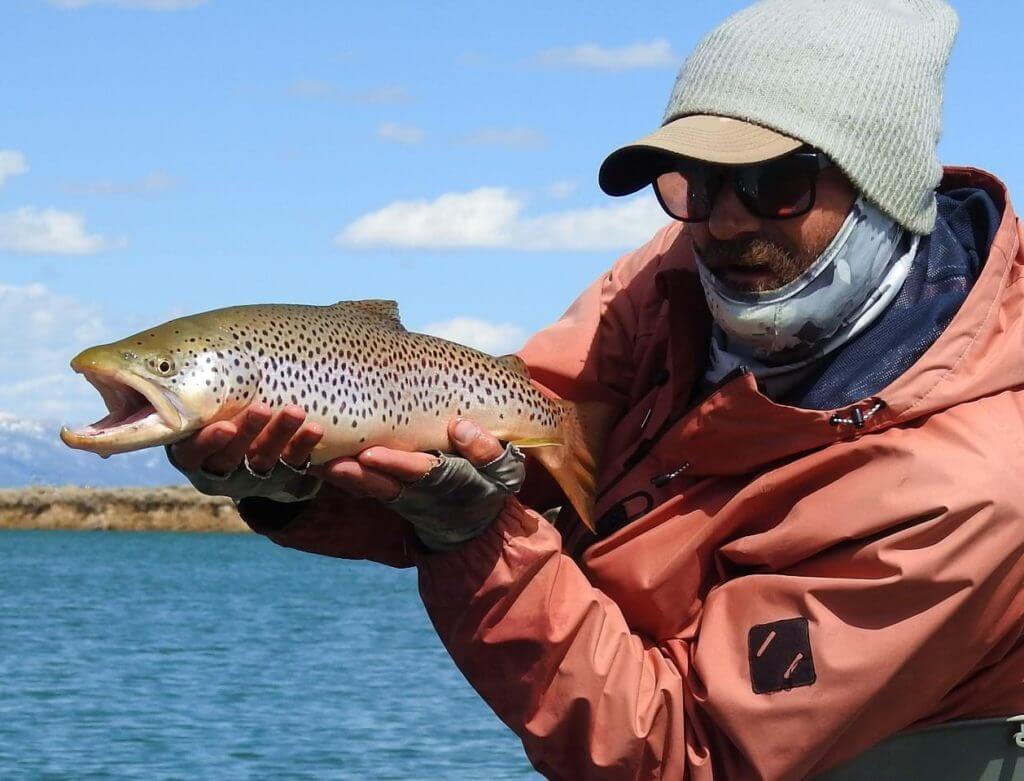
856,417
647,444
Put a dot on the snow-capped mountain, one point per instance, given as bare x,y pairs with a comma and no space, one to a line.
31,453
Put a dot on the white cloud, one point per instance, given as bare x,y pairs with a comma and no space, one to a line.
560,189
493,338
492,217
401,134
43,231
323,90
49,231
40,331
513,138
158,181
624,225
144,5
653,54
52,397
475,219
12,163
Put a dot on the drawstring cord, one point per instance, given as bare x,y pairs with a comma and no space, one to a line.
858,417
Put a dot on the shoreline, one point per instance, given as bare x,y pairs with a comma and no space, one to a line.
173,508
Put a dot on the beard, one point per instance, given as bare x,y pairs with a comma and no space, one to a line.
775,266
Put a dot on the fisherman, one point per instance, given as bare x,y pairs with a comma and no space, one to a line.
811,526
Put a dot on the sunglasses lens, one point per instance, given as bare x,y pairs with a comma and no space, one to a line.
685,196
776,190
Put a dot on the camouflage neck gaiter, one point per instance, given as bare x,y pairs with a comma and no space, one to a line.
776,333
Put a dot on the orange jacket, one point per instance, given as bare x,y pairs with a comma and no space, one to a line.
791,590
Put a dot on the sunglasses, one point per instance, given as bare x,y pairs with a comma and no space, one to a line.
775,190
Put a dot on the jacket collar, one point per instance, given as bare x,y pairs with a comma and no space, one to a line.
737,429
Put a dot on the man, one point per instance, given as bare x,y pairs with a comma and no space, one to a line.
810,528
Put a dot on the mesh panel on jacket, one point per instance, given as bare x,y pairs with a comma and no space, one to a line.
948,263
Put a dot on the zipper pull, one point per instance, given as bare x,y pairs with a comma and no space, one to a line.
647,419
857,417
661,480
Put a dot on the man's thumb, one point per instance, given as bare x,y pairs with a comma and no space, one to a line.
473,443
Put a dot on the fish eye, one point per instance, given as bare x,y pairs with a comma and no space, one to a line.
162,365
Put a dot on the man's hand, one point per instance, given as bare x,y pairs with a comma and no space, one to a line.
380,472
448,499
265,437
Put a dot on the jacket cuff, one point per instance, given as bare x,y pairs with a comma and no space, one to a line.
519,538
266,516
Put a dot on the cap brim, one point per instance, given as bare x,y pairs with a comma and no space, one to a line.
712,139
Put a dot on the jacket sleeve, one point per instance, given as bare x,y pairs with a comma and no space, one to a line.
554,657
893,625
333,523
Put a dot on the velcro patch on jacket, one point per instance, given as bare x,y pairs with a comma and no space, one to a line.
780,656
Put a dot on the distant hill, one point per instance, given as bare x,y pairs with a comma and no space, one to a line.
31,453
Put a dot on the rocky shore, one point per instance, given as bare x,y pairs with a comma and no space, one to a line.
177,508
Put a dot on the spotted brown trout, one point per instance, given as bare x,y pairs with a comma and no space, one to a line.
354,369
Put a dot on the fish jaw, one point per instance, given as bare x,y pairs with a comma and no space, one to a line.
141,413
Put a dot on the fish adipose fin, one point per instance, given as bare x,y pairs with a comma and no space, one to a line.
382,308
574,458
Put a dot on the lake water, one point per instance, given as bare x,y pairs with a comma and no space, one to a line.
190,656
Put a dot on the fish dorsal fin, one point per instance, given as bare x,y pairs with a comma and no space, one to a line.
382,308
515,363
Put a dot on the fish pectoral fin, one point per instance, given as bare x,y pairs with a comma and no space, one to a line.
536,442
383,308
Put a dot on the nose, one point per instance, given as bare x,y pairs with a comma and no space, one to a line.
729,218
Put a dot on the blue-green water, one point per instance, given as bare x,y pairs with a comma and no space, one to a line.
190,656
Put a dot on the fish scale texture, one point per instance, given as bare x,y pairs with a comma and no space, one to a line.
360,374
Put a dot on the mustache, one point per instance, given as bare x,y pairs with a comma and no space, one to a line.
747,253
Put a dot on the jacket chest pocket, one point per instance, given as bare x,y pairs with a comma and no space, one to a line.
637,483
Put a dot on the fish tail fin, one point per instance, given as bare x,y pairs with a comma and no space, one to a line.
574,464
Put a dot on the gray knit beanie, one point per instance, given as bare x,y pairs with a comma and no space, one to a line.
859,79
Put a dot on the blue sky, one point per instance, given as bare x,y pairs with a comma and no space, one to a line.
170,156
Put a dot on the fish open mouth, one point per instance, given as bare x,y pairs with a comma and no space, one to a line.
139,414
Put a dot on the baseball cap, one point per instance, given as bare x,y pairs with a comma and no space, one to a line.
706,137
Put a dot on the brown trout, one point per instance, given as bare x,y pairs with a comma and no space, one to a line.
352,366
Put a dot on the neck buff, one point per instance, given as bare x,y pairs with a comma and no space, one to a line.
778,334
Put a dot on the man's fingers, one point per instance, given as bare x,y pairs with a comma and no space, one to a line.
250,423
473,443
270,443
359,480
298,450
400,464
190,453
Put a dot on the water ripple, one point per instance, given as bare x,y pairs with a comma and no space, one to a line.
170,656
